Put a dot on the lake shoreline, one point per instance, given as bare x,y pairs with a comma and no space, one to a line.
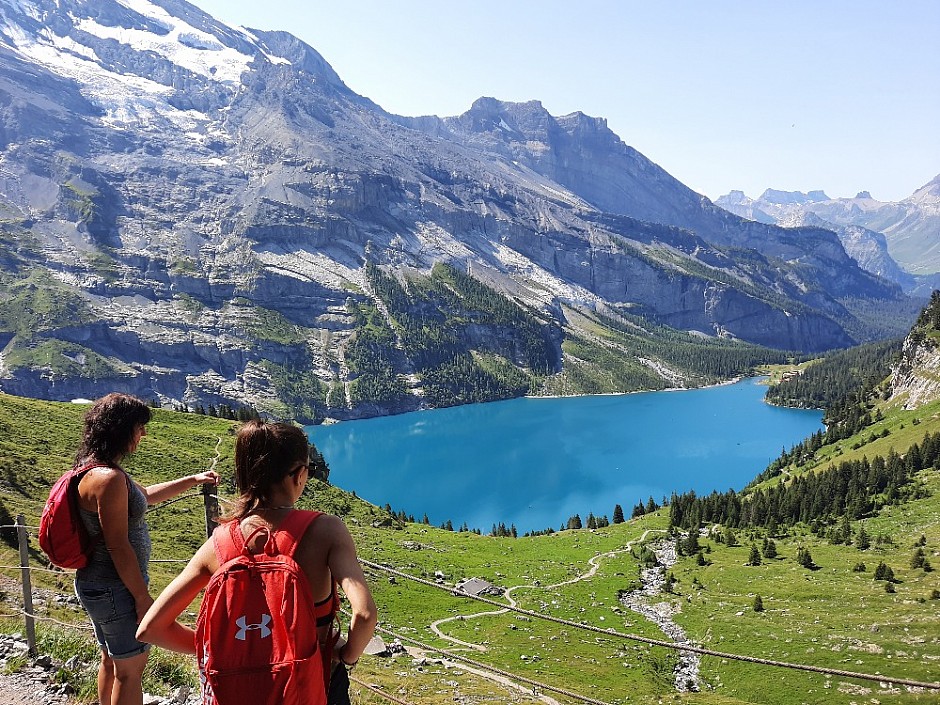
329,420
725,383
535,466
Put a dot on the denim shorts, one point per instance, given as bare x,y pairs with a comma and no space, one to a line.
113,614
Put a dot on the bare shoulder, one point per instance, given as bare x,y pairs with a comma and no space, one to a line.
205,559
327,531
105,472
328,525
103,478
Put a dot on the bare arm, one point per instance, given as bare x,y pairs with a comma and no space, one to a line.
109,489
168,490
160,626
345,568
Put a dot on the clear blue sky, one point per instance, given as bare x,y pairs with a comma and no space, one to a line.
837,95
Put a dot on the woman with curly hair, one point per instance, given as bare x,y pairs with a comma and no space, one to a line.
113,586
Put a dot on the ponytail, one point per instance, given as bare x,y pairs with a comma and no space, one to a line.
265,452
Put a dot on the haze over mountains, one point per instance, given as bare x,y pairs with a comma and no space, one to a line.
898,241
202,214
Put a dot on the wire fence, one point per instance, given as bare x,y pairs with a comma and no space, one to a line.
536,685
211,502
654,642
210,497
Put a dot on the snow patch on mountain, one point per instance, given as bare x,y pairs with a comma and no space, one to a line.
125,99
202,53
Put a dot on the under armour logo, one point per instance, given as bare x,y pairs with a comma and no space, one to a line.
262,625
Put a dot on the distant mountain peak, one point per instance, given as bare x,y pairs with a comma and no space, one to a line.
791,197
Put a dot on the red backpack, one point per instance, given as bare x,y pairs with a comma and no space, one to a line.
62,534
256,633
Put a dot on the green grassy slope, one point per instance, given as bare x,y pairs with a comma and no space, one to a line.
831,617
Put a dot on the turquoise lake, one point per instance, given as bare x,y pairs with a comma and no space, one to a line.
534,462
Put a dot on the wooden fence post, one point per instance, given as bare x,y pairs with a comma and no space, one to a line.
210,498
27,584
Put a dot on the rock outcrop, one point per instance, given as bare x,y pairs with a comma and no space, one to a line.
915,380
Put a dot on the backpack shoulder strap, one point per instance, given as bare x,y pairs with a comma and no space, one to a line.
228,541
292,529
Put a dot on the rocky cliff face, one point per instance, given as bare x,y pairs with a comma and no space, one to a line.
584,155
915,380
188,212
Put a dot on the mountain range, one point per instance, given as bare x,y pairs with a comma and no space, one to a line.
197,213
899,241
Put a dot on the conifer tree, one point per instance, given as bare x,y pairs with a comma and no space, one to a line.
754,558
846,530
884,572
688,544
729,537
758,603
804,558
618,514
769,549
862,539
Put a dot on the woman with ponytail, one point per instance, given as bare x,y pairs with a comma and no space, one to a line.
271,470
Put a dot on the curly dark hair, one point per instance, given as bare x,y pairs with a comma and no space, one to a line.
265,453
110,424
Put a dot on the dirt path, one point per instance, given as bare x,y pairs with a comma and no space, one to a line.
20,689
593,562
595,565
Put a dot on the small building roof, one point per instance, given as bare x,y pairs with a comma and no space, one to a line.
474,586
